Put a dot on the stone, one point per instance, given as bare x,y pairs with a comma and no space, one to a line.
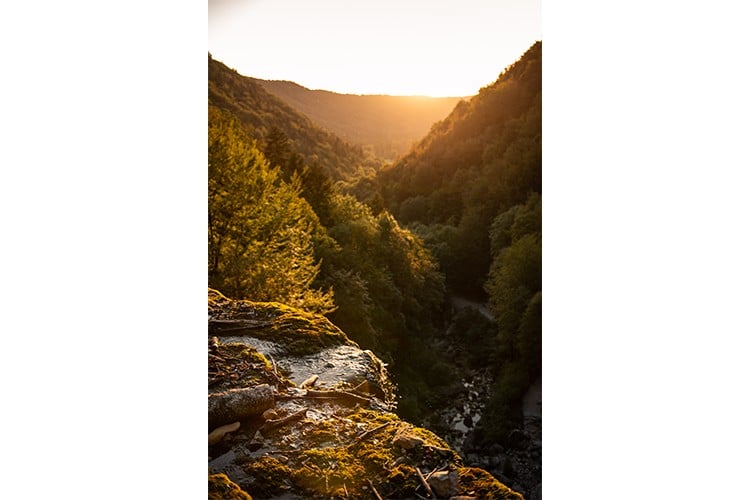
406,441
444,483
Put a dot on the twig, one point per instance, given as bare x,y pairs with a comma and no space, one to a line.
375,490
218,325
346,492
424,482
338,395
371,431
359,386
429,475
273,424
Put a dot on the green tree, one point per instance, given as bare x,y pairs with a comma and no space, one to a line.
261,231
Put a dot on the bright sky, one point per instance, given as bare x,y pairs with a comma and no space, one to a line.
398,47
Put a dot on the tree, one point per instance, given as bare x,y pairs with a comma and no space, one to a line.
261,231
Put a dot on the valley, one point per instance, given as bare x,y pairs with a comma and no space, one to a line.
426,254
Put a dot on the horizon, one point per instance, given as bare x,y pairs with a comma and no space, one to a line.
412,49
415,96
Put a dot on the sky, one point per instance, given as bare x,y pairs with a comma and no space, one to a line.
397,47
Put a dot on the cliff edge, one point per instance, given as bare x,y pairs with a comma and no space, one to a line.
297,410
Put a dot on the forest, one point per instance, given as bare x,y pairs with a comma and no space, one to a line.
300,216
385,125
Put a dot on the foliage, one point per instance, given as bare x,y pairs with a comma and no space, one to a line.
261,232
503,411
262,113
475,332
482,159
387,285
514,286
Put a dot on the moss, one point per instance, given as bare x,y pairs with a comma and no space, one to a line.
480,483
372,417
402,481
324,433
238,365
299,332
220,487
270,477
328,469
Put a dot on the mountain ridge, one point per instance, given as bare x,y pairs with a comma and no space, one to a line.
262,112
386,125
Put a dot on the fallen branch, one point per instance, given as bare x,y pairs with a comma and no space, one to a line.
375,490
220,326
238,404
424,482
275,370
270,425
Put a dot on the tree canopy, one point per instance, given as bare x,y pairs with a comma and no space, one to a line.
261,231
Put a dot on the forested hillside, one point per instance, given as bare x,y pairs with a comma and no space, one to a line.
386,125
477,163
472,190
283,232
266,115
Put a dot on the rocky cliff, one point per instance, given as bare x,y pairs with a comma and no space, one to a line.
297,410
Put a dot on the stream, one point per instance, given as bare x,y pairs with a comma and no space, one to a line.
518,466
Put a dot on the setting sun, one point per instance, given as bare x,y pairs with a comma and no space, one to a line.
385,47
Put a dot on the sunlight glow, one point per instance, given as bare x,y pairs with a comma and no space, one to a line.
398,47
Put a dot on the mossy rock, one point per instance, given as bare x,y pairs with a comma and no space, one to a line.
480,483
234,365
297,331
269,477
220,487
332,450
328,469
